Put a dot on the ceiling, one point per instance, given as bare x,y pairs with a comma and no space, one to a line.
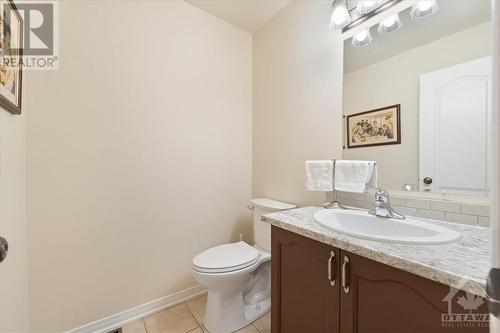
250,15
453,16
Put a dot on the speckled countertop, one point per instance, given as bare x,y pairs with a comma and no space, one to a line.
464,264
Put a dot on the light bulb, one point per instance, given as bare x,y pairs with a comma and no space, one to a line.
366,6
340,15
423,8
390,24
425,5
362,38
390,20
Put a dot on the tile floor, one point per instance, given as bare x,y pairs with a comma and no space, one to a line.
187,317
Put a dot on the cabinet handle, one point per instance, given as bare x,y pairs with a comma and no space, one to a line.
332,280
345,283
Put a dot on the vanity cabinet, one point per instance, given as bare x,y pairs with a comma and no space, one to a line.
305,289
359,295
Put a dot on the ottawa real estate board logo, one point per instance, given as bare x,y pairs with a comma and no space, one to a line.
29,35
464,308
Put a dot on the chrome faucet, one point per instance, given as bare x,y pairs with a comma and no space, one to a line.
382,206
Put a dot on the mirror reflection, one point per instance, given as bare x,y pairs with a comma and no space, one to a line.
417,98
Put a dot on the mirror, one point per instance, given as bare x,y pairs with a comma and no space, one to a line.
417,100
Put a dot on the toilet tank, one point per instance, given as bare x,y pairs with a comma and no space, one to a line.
262,230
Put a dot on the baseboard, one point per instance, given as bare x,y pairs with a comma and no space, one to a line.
127,316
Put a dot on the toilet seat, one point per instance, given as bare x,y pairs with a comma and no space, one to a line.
226,258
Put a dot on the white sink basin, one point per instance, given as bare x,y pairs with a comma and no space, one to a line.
363,225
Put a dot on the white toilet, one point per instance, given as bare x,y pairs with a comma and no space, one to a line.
238,276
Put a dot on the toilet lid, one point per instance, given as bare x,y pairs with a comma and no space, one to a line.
226,258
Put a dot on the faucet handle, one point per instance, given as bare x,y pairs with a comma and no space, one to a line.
382,206
381,195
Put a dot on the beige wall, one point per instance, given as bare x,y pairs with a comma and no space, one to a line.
396,80
297,102
13,271
139,156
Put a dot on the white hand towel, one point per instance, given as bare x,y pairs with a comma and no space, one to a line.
373,178
355,176
319,175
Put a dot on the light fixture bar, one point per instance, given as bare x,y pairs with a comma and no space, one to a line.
372,19
388,5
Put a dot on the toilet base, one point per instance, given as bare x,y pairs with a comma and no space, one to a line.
255,311
228,314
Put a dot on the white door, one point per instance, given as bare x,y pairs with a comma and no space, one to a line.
454,115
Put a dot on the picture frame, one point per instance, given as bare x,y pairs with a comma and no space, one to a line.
376,127
11,46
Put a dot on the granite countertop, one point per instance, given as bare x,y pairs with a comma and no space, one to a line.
464,264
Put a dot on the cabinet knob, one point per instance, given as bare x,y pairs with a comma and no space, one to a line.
345,282
330,260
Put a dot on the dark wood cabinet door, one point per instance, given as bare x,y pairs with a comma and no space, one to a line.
382,299
303,298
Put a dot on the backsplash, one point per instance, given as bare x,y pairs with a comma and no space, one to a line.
470,210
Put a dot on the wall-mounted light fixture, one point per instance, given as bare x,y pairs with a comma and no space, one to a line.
340,15
384,13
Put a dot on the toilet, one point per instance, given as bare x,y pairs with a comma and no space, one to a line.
238,275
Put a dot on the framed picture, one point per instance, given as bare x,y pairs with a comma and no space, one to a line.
11,42
375,127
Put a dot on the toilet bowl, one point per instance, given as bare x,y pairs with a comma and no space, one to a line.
238,275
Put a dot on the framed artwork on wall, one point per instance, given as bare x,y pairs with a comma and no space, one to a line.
11,43
375,127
